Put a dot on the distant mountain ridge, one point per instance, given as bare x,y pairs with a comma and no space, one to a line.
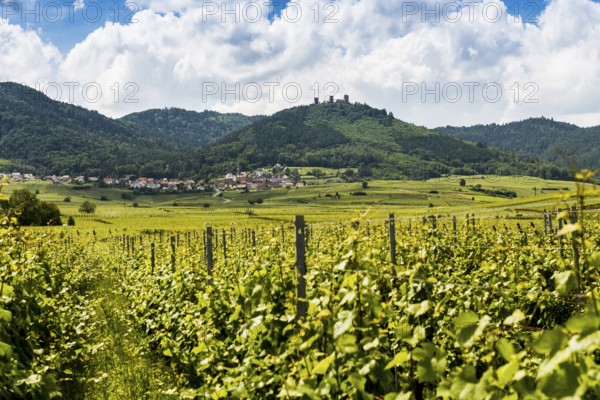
59,138
51,137
539,137
189,128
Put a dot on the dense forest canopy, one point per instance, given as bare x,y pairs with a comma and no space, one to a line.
539,137
188,128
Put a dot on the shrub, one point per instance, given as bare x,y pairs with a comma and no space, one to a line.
30,211
67,200
71,221
49,214
87,207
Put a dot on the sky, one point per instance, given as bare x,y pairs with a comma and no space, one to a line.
432,63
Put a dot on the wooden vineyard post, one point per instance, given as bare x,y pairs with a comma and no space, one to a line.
392,223
152,259
302,305
454,228
560,241
253,240
575,245
545,222
209,252
173,253
550,228
224,245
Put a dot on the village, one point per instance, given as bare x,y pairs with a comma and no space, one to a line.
269,177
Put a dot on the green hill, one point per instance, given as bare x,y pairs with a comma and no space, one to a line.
188,128
59,138
340,135
539,137
50,137
38,134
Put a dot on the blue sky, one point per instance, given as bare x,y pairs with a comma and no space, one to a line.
454,72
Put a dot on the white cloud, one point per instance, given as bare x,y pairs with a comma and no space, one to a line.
79,4
375,52
25,57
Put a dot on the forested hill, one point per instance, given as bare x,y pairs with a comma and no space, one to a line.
60,138
539,137
51,137
340,135
188,128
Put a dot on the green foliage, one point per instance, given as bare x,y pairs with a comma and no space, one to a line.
59,138
473,320
87,207
42,317
29,211
480,313
188,128
537,137
495,192
344,135
49,214
127,196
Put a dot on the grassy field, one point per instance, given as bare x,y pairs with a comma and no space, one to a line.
325,202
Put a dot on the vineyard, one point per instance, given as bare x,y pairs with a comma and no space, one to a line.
395,308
